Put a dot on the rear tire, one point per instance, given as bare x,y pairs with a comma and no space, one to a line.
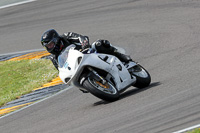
105,92
143,78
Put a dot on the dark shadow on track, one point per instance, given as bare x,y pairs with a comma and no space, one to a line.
135,91
129,93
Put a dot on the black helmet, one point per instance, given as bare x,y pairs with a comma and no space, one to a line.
51,41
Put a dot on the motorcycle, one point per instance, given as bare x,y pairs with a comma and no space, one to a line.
103,75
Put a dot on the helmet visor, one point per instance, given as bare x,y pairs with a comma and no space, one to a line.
50,46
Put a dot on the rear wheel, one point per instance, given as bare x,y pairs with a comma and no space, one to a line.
105,91
143,78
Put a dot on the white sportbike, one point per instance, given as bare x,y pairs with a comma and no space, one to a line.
103,75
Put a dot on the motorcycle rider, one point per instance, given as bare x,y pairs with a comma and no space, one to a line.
55,43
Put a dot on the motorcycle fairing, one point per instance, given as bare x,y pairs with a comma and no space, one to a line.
108,63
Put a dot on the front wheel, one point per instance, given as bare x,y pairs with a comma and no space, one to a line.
105,91
143,78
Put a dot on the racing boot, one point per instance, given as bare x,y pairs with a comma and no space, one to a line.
122,57
104,46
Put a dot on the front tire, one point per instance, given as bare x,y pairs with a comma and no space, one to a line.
106,92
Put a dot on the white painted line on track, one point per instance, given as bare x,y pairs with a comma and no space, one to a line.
18,3
187,129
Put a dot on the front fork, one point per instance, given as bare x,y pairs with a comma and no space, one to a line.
94,75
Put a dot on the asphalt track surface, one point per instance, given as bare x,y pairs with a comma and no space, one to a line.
163,35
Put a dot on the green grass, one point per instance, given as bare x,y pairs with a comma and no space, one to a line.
194,131
21,77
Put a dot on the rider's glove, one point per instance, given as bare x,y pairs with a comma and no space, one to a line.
85,43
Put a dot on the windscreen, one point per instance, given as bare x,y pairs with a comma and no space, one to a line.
62,58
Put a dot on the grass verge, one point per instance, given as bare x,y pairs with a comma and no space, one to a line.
194,131
21,77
